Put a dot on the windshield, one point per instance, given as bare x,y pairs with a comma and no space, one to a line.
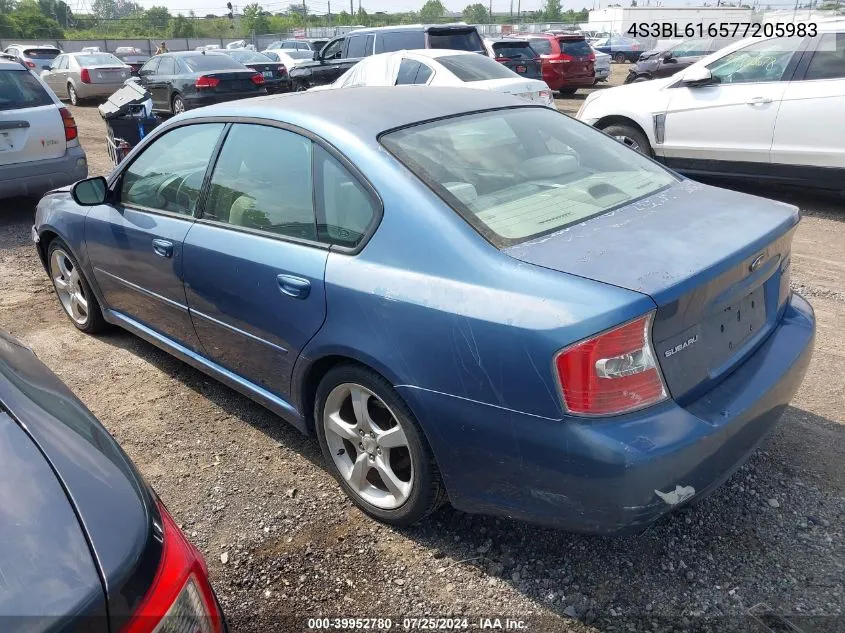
475,67
216,61
453,39
246,57
520,173
98,59
20,89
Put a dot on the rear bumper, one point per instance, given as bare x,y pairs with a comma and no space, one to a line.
89,91
37,177
274,86
198,101
619,475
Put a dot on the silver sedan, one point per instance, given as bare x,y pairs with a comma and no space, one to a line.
76,76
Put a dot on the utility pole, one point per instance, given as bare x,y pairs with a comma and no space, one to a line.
490,11
351,8
305,17
511,10
330,12
519,10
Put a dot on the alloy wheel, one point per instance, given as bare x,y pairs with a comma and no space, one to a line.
629,142
69,286
368,446
71,94
178,105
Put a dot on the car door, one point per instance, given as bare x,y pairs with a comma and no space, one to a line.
809,129
147,77
160,87
335,61
254,263
732,119
135,243
53,76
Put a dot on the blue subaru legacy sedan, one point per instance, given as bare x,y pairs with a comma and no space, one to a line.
462,295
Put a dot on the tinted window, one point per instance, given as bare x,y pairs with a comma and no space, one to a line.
829,60
168,174
516,50
412,72
760,62
271,55
20,89
576,48
41,53
475,67
542,46
212,61
399,40
151,66
248,57
357,46
550,171
98,59
346,209
332,49
167,66
263,181
452,39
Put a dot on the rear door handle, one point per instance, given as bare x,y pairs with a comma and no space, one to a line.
163,248
293,286
759,100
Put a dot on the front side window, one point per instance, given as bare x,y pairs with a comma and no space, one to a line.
345,208
168,175
167,66
333,49
520,173
150,67
829,60
764,61
262,181
475,67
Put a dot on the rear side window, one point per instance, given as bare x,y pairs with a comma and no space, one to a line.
358,46
41,53
542,46
576,48
412,72
214,61
20,89
475,68
829,60
456,40
400,40
517,50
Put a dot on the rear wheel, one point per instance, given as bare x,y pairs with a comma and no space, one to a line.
71,95
72,289
630,136
567,92
639,80
178,104
619,58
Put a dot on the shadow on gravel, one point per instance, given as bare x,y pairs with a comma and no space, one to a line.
826,204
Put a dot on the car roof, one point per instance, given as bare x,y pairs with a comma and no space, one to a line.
434,53
8,64
377,109
212,53
509,40
412,27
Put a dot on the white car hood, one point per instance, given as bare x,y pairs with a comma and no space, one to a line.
644,98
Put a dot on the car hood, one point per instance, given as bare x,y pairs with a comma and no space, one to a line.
628,97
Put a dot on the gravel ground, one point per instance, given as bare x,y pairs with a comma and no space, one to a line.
283,543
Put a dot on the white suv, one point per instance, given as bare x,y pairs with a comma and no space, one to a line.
39,145
768,109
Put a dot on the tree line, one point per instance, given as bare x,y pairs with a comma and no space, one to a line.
54,19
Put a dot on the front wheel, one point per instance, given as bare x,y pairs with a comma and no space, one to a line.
619,58
72,289
300,85
630,137
374,447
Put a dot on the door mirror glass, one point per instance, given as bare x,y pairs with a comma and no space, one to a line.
669,58
698,76
316,56
90,192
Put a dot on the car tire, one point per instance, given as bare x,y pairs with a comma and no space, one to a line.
73,290
567,92
630,136
619,58
639,80
177,104
300,85
71,95
359,446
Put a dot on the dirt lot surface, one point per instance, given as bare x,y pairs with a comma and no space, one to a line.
283,543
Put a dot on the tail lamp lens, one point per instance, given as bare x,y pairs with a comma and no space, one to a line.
85,76
206,82
180,599
258,79
611,373
70,124
29,64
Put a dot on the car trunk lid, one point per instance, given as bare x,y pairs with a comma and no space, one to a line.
269,70
108,74
716,264
529,89
231,80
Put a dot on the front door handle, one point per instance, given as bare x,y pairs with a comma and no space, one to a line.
293,286
163,248
759,100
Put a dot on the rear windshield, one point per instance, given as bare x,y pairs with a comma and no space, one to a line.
249,57
41,53
475,67
299,54
577,48
515,50
98,59
217,61
542,46
519,173
456,40
20,89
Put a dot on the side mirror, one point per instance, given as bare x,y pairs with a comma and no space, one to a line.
698,76
90,192
668,58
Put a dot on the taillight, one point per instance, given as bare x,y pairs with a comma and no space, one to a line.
503,60
282,71
611,373
563,58
592,57
180,597
258,79
70,124
206,82
85,76
29,64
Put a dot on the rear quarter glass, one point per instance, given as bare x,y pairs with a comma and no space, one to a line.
552,172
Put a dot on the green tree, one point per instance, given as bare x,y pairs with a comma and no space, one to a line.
255,19
7,6
104,9
8,27
552,11
362,18
432,11
33,24
181,26
156,20
476,13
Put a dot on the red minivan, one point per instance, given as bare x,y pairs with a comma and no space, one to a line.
568,60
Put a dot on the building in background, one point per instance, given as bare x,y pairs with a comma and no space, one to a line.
619,19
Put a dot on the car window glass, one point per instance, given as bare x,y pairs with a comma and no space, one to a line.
829,60
471,67
407,74
760,62
19,89
167,66
168,175
357,46
691,48
98,59
262,180
61,62
455,39
151,66
542,46
515,50
400,40
576,48
333,49
346,208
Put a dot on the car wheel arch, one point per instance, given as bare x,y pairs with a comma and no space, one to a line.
46,236
616,119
